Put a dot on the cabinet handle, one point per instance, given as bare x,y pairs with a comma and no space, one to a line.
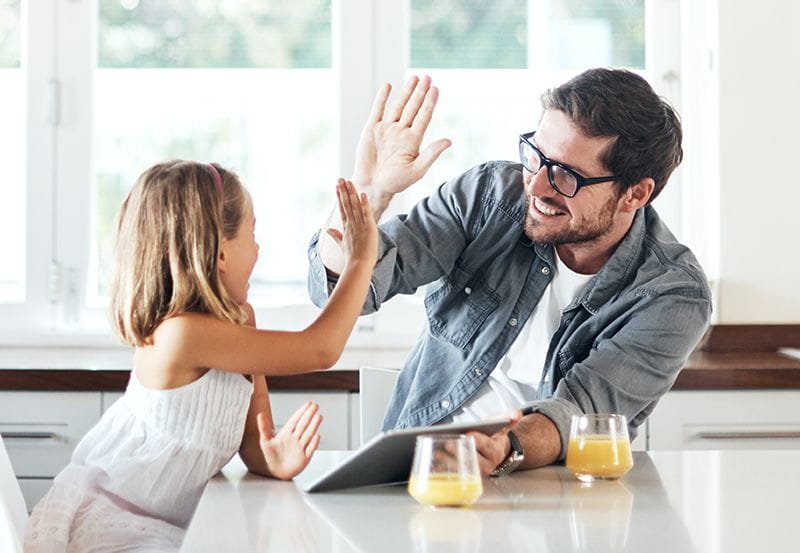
747,435
29,435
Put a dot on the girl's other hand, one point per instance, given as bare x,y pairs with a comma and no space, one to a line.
359,239
290,450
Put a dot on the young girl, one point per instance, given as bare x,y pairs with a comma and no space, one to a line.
197,393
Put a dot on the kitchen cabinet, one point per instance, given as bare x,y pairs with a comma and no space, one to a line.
726,419
41,429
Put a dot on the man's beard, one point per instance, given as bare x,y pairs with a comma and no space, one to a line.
586,230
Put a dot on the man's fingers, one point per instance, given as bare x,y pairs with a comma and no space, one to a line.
425,114
491,450
417,97
427,157
379,103
397,108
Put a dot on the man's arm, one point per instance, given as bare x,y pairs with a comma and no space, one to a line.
540,441
623,374
388,159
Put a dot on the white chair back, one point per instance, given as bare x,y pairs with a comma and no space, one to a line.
13,513
375,391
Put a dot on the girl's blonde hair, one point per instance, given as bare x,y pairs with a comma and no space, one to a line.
169,234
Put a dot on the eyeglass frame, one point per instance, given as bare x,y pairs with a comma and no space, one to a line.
580,180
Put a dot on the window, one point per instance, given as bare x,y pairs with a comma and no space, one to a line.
12,145
239,83
491,62
277,91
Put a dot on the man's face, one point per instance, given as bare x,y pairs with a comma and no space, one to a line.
556,219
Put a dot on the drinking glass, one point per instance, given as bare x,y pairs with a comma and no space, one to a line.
445,471
599,447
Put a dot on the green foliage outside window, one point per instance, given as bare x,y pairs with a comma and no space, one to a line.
234,33
9,33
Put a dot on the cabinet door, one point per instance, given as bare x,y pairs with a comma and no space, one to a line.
334,407
748,419
41,429
108,399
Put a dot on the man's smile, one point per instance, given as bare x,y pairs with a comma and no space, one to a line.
541,207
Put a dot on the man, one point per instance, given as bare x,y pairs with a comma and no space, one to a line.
557,285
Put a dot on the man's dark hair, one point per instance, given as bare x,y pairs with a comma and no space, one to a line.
621,104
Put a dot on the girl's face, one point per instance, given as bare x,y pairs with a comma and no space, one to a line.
238,257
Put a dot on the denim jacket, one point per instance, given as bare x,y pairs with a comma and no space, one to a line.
619,345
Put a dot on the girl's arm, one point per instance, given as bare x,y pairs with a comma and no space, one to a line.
193,341
283,455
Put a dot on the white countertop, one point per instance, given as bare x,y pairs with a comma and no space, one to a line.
701,501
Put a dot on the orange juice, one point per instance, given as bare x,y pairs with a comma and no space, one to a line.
446,488
598,456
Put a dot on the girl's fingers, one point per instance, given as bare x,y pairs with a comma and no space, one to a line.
312,447
340,202
292,422
355,203
263,428
304,419
366,210
310,430
350,206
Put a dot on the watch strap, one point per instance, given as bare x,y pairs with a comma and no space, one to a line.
515,456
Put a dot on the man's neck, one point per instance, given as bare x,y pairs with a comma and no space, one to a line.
588,258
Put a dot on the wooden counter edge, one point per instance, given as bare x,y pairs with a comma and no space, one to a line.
79,380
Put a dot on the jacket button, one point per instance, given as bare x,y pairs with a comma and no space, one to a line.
445,404
478,372
468,290
513,322
545,270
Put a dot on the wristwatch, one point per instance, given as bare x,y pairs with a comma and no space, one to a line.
513,459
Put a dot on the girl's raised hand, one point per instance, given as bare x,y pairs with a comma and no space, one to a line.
359,237
290,450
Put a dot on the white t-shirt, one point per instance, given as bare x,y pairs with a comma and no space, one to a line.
516,377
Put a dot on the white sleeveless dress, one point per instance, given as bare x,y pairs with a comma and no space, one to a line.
136,478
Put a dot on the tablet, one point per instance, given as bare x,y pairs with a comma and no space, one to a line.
387,458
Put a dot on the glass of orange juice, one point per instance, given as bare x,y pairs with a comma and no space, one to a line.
599,447
445,471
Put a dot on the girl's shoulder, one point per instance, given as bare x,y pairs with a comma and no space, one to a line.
170,359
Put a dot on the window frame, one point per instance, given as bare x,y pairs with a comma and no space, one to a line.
370,47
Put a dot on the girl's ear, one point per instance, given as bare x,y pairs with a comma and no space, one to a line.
221,263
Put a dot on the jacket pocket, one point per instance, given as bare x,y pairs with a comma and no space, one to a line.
456,314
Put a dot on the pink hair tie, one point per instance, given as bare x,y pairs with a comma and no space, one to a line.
217,181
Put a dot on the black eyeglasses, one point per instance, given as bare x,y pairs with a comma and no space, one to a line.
564,180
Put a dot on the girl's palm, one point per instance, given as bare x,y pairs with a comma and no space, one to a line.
289,451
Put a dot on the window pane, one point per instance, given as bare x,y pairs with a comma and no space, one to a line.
12,144
272,126
468,33
462,46
234,33
585,33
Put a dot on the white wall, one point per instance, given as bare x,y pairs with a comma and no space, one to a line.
759,161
